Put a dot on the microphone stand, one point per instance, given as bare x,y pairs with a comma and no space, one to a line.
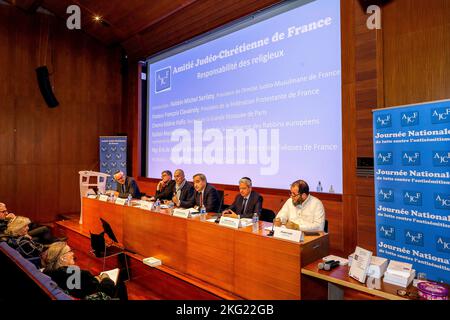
272,232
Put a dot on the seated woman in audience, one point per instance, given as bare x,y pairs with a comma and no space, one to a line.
19,239
59,263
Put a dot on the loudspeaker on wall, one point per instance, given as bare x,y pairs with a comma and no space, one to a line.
45,86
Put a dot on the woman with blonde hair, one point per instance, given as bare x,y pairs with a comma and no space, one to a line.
19,239
59,264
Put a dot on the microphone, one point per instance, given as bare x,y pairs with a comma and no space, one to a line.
219,213
272,232
330,266
322,265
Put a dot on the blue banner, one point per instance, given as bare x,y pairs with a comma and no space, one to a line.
412,186
113,157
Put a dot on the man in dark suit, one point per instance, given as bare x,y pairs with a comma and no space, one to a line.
204,194
164,188
182,191
126,185
247,202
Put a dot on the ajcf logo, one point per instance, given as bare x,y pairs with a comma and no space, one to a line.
412,198
384,121
411,158
410,118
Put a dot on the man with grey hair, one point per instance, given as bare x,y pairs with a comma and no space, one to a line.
247,202
303,211
205,194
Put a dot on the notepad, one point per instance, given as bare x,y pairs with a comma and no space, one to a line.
112,274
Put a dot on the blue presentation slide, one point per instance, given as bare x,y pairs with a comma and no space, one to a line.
263,102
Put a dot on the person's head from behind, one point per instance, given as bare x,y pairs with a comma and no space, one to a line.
120,177
3,210
58,255
199,182
299,192
18,226
166,176
245,186
178,176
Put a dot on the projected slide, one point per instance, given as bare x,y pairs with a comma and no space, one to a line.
263,101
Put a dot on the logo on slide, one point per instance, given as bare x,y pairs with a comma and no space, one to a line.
386,195
442,201
441,158
385,158
443,244
410,118
384,121
414,238
162,78
440,115
412,198
411,158
387,232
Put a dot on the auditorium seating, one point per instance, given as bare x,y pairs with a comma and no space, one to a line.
22,280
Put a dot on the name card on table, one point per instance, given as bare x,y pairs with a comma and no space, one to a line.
92,196
288,234
146,205
121,201
181,213
229,222
103,197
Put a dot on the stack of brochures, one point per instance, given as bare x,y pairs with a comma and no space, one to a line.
152,262
399,273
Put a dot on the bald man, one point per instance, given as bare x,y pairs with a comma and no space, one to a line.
183,191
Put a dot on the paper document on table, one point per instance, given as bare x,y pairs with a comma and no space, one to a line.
112,274
360,264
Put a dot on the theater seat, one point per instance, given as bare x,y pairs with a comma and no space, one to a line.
29,270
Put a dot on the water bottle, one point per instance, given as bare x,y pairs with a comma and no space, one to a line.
129,199
202,213
157,205
255,221
331,189
319,187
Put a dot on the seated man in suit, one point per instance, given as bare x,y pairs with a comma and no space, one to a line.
247,202
126,185
303,211
204,194
183,190
164,188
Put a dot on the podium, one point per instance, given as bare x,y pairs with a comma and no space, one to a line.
90,181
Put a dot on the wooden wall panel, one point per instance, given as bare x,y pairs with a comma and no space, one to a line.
416,51
44,148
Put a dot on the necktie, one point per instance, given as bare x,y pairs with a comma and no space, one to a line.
201,199
244,203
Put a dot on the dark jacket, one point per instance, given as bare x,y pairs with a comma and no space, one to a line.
254,204
3,225
26,246
129,187
88,283
187,193
166,193
210,199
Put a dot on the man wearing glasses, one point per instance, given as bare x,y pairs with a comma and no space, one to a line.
302,211
5,217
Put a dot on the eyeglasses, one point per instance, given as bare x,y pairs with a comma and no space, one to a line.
4,211
291,194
